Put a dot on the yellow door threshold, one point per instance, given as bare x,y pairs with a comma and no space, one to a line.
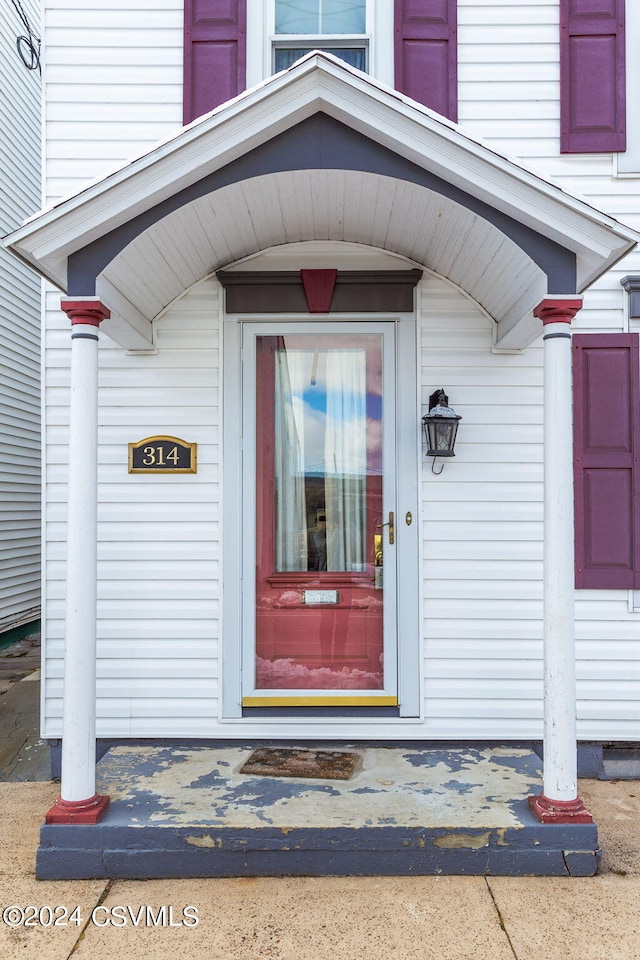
289,701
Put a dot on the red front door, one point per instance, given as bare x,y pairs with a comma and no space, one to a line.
323,526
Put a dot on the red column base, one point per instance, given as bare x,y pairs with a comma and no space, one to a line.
559,811
78,811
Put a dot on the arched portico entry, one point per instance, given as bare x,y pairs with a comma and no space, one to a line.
322,154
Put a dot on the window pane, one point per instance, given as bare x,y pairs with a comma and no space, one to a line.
343,16
320,16
297,16
355,56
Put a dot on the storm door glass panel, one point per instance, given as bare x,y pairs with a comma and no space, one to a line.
319,512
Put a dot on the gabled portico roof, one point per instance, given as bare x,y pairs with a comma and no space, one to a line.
321,152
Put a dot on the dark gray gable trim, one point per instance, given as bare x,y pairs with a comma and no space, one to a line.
632,286
281,291
320,142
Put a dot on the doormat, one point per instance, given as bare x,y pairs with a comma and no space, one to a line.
289,762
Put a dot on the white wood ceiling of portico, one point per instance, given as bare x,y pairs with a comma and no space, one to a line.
239,220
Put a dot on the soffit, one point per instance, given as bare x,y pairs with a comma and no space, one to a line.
244,218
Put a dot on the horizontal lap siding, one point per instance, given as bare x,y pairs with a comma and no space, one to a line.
482,530
509,88
608,668
114,85
508,74
482,549
158,537
19,332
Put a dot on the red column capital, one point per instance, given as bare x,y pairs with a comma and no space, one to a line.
560,310
89,312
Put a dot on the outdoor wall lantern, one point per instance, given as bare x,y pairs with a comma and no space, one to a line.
440,426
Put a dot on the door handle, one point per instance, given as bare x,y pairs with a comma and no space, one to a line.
390,524
377,549
377,539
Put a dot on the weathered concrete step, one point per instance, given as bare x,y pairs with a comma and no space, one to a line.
190,812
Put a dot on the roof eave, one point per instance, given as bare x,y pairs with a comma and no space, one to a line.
320,82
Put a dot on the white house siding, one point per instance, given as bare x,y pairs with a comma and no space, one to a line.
510,95
158,557
114,86
482,526
20,154
482,529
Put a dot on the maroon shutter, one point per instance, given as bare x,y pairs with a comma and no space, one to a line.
592,76
606,417
426,54
214,54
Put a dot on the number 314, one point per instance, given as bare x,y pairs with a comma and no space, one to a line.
156,457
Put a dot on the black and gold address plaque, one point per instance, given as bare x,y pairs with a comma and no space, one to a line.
162,455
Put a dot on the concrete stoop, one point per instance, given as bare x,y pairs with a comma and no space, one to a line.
189,812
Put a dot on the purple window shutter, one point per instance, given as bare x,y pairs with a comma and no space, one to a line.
426,54
592,76
606,381
214,54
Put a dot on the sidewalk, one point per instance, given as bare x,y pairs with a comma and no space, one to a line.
23,755
344,918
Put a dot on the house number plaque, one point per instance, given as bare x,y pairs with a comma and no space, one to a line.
162,455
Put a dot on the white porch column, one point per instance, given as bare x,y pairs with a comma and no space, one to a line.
559,802
79,802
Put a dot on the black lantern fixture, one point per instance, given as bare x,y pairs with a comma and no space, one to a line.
440,426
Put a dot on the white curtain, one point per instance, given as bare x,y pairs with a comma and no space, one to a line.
291,516
346,459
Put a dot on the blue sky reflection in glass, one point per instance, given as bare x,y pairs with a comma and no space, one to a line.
317,396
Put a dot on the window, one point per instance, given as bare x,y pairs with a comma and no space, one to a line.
339,26
230,45
359,31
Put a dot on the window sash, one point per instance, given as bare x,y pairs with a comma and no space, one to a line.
320,17
285,55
